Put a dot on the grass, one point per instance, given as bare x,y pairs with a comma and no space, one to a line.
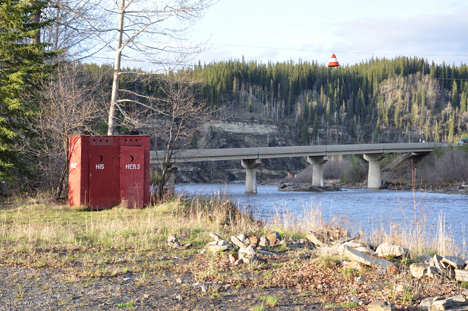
116,241
258,307
271,301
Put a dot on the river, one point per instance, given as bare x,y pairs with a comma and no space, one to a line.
371,211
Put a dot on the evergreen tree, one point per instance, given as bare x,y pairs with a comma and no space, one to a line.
22,65
451,128
454,94
436,133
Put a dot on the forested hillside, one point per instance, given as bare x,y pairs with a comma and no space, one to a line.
381,100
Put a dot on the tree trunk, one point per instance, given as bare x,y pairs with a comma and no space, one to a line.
115,81
35,19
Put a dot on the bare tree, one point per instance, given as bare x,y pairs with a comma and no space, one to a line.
172,119
69,104
74,27
151,31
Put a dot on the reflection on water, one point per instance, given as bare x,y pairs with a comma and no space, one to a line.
367,209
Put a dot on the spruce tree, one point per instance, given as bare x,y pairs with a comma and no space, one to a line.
22,65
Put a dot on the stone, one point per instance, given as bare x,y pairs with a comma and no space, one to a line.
238,262
366,250
458,300
357,301
400,288
215,248
426,304
179,281
440,304
393,270
254,240
273,238
242,237
311,236
434,303
222,243
186,246
355,265
215,237
263,242
365,259
172,238
433,272
380,306
344,239
247,252
351,244
354,299
418,270
262,252
360,279
461,275
237,242
233,258
425,258
455,262
389,249
381,271
450,274
438,262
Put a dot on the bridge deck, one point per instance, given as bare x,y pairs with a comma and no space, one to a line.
198,155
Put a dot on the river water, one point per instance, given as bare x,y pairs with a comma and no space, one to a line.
361,209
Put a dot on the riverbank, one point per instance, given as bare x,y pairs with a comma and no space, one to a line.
52,256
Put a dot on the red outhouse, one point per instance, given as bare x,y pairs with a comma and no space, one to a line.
107,170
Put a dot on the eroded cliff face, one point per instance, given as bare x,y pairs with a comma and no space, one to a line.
240,134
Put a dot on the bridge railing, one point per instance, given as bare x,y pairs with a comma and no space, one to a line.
198,155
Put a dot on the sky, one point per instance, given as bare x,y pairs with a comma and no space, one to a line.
355,30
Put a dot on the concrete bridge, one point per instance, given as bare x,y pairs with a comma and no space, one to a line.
316,155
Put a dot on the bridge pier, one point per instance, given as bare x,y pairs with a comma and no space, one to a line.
317,169
250,166
373,178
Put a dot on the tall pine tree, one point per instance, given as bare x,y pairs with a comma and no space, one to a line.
22,66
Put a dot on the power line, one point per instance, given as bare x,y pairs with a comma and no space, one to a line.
328,51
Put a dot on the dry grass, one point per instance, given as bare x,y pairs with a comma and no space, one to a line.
415,233
35,225
43,234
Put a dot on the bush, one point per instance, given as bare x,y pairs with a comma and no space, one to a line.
450,166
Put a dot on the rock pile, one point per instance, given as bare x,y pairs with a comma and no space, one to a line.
441,303
438,267
337,242
249,248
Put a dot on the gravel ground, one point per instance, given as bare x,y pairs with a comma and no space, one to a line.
51,289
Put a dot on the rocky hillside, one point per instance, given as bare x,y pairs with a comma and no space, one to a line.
241,134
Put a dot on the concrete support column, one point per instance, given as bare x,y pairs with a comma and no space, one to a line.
250,166
317,169
373,177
